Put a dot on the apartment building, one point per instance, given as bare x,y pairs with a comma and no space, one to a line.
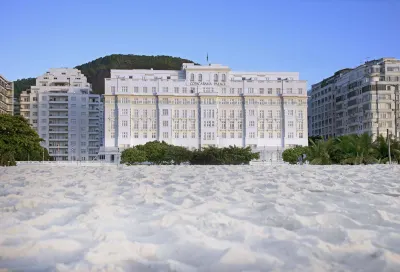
200,106
359,100
6,96
65,113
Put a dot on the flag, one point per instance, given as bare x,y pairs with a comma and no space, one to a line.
207,57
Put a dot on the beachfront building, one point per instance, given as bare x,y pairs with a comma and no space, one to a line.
200,106
355,101
65,113
6,96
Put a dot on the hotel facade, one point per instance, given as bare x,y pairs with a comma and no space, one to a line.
200,106
65,113
6,96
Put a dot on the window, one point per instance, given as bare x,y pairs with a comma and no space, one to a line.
145,89
73,121
165,89
300,114
153,135
165,112
290,124
290,112
124,89
165,123
251,124
145,124
83,99
251,112
184,135
154,89
165,134
223,124
145,135
252,134
124,111
136,113
200,77
136,135
270,135
193,135
261,90
301,135
300,91
261,113
136,124
191,77
83,143
215,77
176,124
176,134
261,134
176,89
124,123
135,89
83,113
290,135
231,125
251,90
112,135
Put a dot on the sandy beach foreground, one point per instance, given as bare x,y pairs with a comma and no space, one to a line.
200,218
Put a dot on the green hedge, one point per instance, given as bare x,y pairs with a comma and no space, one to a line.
163,153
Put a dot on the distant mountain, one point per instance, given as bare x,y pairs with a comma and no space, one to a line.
99,69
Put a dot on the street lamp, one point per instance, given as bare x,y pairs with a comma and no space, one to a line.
396,93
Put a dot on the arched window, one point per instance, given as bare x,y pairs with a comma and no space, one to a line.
223,77
216,77
200,77
191,77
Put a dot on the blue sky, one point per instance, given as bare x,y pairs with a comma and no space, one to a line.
313,37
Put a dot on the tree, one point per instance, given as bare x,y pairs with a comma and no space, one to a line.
18,141
133,156
319,152
177,155
292,155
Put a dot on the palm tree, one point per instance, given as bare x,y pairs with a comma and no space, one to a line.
319,152
359,149
382,149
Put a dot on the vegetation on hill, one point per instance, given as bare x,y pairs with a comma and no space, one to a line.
162,153
18,141
350,149
99,69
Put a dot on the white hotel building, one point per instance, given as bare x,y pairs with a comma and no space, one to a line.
64,112
201,106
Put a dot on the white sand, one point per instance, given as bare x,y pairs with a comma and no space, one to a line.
207,218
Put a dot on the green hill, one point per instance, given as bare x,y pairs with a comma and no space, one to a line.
98,69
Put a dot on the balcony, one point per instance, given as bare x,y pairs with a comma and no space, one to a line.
58,131
59,108
64,124
58,139
58,101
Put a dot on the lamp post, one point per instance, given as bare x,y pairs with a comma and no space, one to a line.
396,93
377,109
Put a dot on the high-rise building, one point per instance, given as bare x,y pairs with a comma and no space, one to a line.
65,113
200,106
355,101
6,96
